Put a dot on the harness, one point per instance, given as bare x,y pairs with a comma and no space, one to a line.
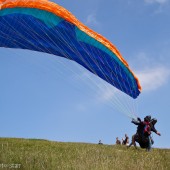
147,129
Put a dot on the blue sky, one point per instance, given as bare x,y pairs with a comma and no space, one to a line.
48,97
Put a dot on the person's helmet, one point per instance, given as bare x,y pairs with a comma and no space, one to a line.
147,118
154,121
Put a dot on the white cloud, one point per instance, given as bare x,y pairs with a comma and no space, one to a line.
107,92
162,5
150,79
153,78
156,1
104,91
153,72
91,20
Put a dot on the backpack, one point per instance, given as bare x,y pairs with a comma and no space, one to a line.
147,129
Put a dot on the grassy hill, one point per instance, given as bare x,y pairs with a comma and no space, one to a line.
32,154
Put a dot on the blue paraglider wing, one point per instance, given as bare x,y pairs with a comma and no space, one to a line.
44,26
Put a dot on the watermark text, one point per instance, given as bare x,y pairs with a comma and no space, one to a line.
12,165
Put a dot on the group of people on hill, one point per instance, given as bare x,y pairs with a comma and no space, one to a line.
125,141
142,135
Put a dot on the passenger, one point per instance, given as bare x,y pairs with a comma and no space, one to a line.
126,140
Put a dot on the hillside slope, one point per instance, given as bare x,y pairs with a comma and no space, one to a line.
35,154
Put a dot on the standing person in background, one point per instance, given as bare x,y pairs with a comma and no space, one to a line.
126,140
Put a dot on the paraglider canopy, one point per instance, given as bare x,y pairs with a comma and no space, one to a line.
41,25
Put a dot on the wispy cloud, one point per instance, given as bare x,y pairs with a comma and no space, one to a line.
107,93
152,73
91,19
162,5
97,85
150,79
156,1
153,78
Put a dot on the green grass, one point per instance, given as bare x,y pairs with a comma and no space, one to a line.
32,154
